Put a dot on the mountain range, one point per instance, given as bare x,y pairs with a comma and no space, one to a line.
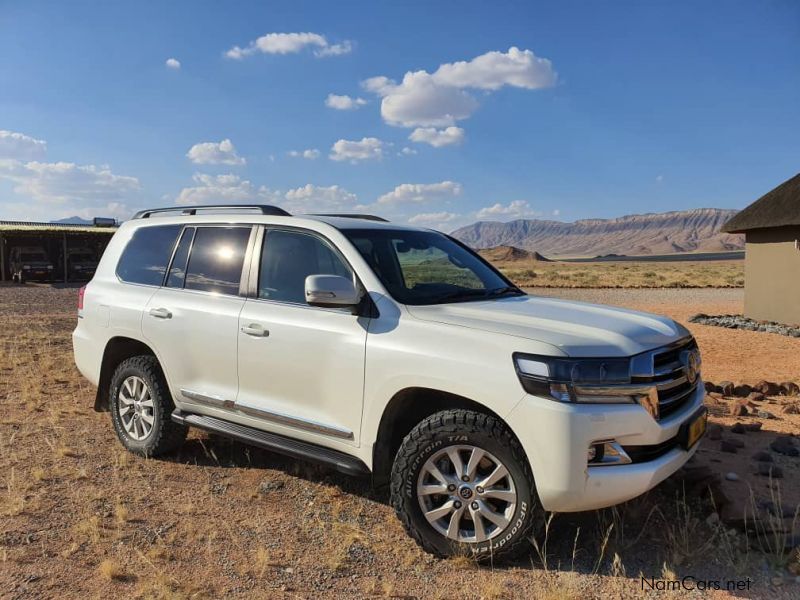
696,230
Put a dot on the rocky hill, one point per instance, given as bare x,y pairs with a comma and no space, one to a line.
502,254
696,230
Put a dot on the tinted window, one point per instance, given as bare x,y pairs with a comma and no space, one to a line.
288,257
425,267
216,261
177,272
146,256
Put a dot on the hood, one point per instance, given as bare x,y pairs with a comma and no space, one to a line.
579,329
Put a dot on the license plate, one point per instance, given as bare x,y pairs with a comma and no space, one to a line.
696,429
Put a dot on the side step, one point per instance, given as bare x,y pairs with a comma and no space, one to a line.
344,463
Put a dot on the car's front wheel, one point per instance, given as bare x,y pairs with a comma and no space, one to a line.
461,484
141,408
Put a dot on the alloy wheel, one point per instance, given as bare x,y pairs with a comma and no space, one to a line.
136,407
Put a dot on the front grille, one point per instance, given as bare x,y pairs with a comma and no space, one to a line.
669,378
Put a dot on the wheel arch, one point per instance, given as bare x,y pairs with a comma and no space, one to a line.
403,412
117,349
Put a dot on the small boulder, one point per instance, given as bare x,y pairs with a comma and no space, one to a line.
738,428
714,431
726,387
728,446
768,470
756,397
784,444
742,390
793,408
755,426
768,388
737,410
736,442
710,387
731,476
765,414
762,456
789,388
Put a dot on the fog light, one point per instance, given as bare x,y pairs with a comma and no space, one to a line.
608,452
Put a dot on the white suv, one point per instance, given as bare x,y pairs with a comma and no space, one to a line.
388,351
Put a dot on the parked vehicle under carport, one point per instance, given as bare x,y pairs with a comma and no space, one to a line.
30,263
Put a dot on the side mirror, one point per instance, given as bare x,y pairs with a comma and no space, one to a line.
331,291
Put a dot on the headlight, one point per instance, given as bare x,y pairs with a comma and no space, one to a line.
594,380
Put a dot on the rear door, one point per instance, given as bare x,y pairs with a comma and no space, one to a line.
192,320
301,368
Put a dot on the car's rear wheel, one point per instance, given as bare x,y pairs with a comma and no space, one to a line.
461,485
141,406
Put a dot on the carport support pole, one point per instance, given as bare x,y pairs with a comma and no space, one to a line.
2,259
65,256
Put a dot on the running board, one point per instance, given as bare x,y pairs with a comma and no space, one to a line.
344,463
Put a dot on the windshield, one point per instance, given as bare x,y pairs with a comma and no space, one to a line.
425,267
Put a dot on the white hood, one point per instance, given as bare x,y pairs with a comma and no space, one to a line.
579,329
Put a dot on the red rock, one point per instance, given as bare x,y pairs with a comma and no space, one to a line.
726,387
792,408
742,390
738,410
756,397
789,388
714,431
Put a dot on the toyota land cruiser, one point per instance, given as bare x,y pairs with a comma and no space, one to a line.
391,352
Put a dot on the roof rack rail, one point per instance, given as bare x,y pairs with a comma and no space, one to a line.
264,209
352,216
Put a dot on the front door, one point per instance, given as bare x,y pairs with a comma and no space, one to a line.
301,368
192,321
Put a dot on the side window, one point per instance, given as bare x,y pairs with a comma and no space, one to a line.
177,272
288,257
147,254
216,260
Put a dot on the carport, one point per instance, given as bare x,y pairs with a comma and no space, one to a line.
57,240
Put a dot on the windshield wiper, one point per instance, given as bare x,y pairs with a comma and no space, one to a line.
506,289
480,294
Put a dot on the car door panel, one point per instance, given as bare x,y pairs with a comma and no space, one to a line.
304,375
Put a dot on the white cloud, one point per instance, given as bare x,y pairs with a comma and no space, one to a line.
343,102
230,189
20,146
517,209
63,189
437,137
223,189
437,218
406,151
346,47
310,154
439,99
173,63
290,43
421,192
213,153
556,212
312,198
368,148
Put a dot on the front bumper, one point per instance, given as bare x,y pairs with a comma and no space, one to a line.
556,437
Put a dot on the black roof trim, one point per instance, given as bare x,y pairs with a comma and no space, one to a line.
352,216
264,209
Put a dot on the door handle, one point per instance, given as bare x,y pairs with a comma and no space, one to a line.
160,313
255,330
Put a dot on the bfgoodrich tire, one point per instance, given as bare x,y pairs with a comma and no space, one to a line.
461,485
141,406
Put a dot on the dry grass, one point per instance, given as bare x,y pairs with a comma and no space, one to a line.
79,517
701,274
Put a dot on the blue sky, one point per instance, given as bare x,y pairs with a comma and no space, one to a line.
455,111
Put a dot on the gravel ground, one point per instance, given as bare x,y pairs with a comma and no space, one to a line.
79,517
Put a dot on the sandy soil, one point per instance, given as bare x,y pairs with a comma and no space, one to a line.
79,517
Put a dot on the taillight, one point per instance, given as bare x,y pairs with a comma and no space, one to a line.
81,293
